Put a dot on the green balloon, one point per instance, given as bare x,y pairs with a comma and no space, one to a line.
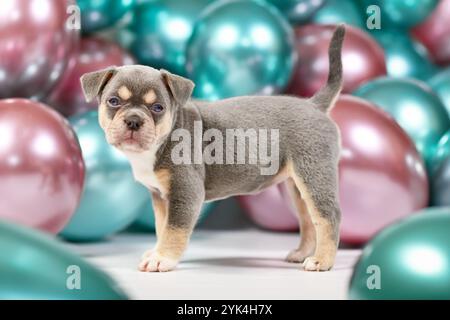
240,47
112,199
442,152
408,260
35,266
146,220
338,11
441,85
403,13
101,14
415,107
161,31
404,56
298,11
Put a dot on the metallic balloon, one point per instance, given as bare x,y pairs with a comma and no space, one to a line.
441,153
161,30
405,57
440,183
41,166
240,47
101,14
37,267
416,108
94,54
381,175
298,11
440,83
403,13
111,198
362,57
146,220
408,260
338,11
271,209
35,46
434,33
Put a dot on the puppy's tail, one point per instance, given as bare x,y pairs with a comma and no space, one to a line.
325,98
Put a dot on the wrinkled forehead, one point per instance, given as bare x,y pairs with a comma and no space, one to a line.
138,85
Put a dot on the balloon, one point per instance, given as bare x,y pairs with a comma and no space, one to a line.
146,220
404,13
404,56
240,47
338,11
101,14
434,33
271,209
161,31
94,54
440,83
381,175
408,260
35,46
415,107
35,266
111,198
41,166
362,57
442,151
298,11
440,184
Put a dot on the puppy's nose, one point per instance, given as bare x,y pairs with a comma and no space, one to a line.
133,122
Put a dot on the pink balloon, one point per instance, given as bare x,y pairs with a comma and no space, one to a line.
434,33
41,166
363,59
271,209
94,54
382,177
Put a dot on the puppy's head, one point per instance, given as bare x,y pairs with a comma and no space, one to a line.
138,104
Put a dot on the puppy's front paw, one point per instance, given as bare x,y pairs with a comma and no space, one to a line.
153,261
317,264
297,256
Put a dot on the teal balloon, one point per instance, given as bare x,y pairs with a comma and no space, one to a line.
338,11
161,30
146,220
408,260
416,108
34,266
298,11
404,56
441,85
442,152
100,14
403,13
238,48
112,198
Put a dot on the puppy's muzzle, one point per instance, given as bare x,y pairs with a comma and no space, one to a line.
133,122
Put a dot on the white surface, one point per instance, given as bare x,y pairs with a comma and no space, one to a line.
221,265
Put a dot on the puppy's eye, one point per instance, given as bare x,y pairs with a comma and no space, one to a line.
114,102
157,108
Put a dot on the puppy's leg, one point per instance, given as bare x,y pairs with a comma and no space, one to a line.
307,231
319,189
160,209
184,204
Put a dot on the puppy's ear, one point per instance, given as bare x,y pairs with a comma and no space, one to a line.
179,87
93,83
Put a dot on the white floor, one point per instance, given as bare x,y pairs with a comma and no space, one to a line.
221,265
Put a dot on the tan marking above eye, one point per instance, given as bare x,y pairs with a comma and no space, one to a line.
124,93
150,97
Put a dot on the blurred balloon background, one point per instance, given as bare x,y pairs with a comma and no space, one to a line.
396,121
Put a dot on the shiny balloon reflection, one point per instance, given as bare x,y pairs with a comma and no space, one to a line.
41,167
413,257
239,48
440,83
112,199
298,11
381,175
35,44
338,11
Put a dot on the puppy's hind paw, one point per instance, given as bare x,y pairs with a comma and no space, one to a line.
316,264
152,261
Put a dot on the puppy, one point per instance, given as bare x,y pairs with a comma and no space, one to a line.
142,111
